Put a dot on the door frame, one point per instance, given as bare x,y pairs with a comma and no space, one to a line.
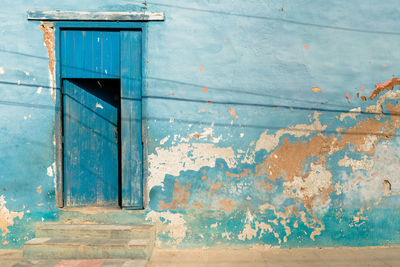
58,130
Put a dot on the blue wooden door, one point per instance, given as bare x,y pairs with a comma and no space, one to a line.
98,67
91,141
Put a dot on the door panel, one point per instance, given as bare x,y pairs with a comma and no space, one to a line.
131,119
91,141
90,54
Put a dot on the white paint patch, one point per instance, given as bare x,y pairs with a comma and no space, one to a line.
318,179
7,217
249,232
98,105
369,143
205,135
50,172
363,164
1,70
39,90
173,224
378,107
165,139
369,186
271,141
352,114
185,157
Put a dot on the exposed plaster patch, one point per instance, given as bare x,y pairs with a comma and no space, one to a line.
207,134
48,36
370,184
353,113
271,141
173,224
39,189
39,90
388,85
165,139
227,204
226,235
49,170
1,70
316,183
250,233
185,157
363,164
378,107
180,197
100,106
7,217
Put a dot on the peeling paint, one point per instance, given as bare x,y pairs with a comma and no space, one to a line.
363,164
352,114
7,217
388,85
271,141
48,36
184,157
206,135
172,223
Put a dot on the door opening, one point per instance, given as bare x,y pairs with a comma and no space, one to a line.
92,150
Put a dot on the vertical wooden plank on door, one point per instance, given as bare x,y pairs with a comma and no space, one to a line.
131,119
90,54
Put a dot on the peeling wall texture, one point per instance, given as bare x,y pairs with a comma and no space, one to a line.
266,123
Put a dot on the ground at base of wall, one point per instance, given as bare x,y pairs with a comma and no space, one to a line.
366,256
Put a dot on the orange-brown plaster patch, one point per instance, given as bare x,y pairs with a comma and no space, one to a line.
213,188
227,204
288,159
180,197
48,36
388,85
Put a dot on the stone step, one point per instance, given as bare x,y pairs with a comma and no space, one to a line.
91,262
87,248
111,231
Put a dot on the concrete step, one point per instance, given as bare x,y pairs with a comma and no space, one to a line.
87,248
110,231
92,262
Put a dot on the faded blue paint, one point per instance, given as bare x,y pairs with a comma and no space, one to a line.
261,59
131,125
90,54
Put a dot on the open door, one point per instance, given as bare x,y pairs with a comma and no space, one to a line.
91,134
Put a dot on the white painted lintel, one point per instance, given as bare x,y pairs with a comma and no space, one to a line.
94,16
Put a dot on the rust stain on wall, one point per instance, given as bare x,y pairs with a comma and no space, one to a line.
48,37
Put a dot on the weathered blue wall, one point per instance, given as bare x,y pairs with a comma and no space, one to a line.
256,130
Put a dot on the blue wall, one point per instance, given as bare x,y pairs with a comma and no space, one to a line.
255,127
